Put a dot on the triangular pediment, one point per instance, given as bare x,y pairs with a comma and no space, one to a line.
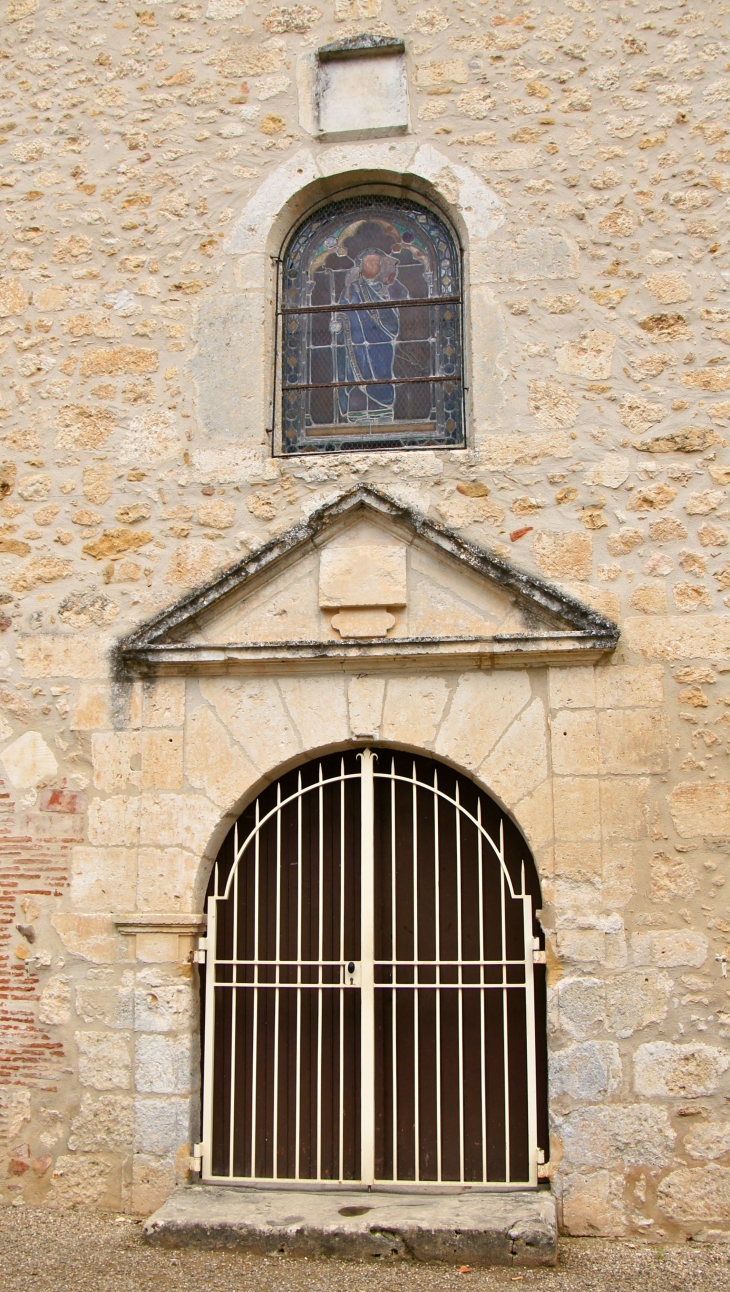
366,578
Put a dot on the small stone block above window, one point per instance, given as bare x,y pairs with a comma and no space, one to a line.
361,89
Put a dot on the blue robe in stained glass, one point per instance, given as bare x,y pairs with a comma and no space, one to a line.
365,340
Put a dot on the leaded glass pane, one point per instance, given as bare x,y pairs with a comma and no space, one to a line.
371,330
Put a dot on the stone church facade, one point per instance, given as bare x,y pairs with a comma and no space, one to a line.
194,606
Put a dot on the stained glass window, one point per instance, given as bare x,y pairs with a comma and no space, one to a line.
370,330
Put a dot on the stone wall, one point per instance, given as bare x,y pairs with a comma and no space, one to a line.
153,161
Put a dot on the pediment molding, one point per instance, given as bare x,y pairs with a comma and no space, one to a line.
201,634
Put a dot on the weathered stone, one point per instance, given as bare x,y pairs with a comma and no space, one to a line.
104,1060
593,1204
55,1002
163,1065
28,761
106,1005
590,357
80,1181
162,1002
668,288
412,709
519,761
103,1123
696,1195
552,405
564,556
699,808
678,1071
213,762
669,948
580,1006
710,1140
633,742
577,812
635,999
672,877
161,1126
618,1135
590,1071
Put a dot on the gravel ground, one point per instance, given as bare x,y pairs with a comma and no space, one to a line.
85,1251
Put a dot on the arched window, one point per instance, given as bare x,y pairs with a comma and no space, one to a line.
370,330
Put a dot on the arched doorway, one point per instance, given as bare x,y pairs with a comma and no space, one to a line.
374,983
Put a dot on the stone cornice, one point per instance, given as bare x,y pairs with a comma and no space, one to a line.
182,922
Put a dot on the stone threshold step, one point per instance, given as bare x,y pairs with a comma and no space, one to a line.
517,1229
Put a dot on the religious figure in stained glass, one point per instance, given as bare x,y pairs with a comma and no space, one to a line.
371,354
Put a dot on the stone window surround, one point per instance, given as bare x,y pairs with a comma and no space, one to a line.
310,177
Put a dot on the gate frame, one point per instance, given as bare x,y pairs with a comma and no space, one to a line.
367,988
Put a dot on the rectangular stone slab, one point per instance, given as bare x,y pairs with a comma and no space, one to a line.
456,1228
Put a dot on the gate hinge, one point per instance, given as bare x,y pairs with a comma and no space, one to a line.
196,1158
198,955
538,956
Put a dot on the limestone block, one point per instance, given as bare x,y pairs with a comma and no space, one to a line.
578,861
700,809
592,1203
213,762
91,712
153,1180
161,1126
103,1123
628,687
709,1140
581,945
166,879
619,868
535,816
618,1135
163,702
579,1006
59,657
104,1062
318,709
633,742
572,688
362,574
481,710
678,1071
672,877
412,709
574,743
669,947
162,1002
28,761
564,556
518,763
177,821
635,999
362,98
624,807
162,760
693,1195
91,937
54,1006
163,1065
106,1005
365,705
80,1181
114,822
674,637
113,755
103,879
157,948
577,811
587,1072
254,713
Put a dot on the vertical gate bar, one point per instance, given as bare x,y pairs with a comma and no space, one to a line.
530,1026
320,948
277,954
255,1034
341,1124
482,992
505,1035
298,1052
210,963
416,1059
394,971
234,1007
437,918
367,969
460,957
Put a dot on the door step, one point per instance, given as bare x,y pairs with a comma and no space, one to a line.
459,1228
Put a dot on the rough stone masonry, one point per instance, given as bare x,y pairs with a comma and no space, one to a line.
153,160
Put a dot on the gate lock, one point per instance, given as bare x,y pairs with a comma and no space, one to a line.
352,973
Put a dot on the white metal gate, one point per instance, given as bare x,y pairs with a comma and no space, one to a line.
369,987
